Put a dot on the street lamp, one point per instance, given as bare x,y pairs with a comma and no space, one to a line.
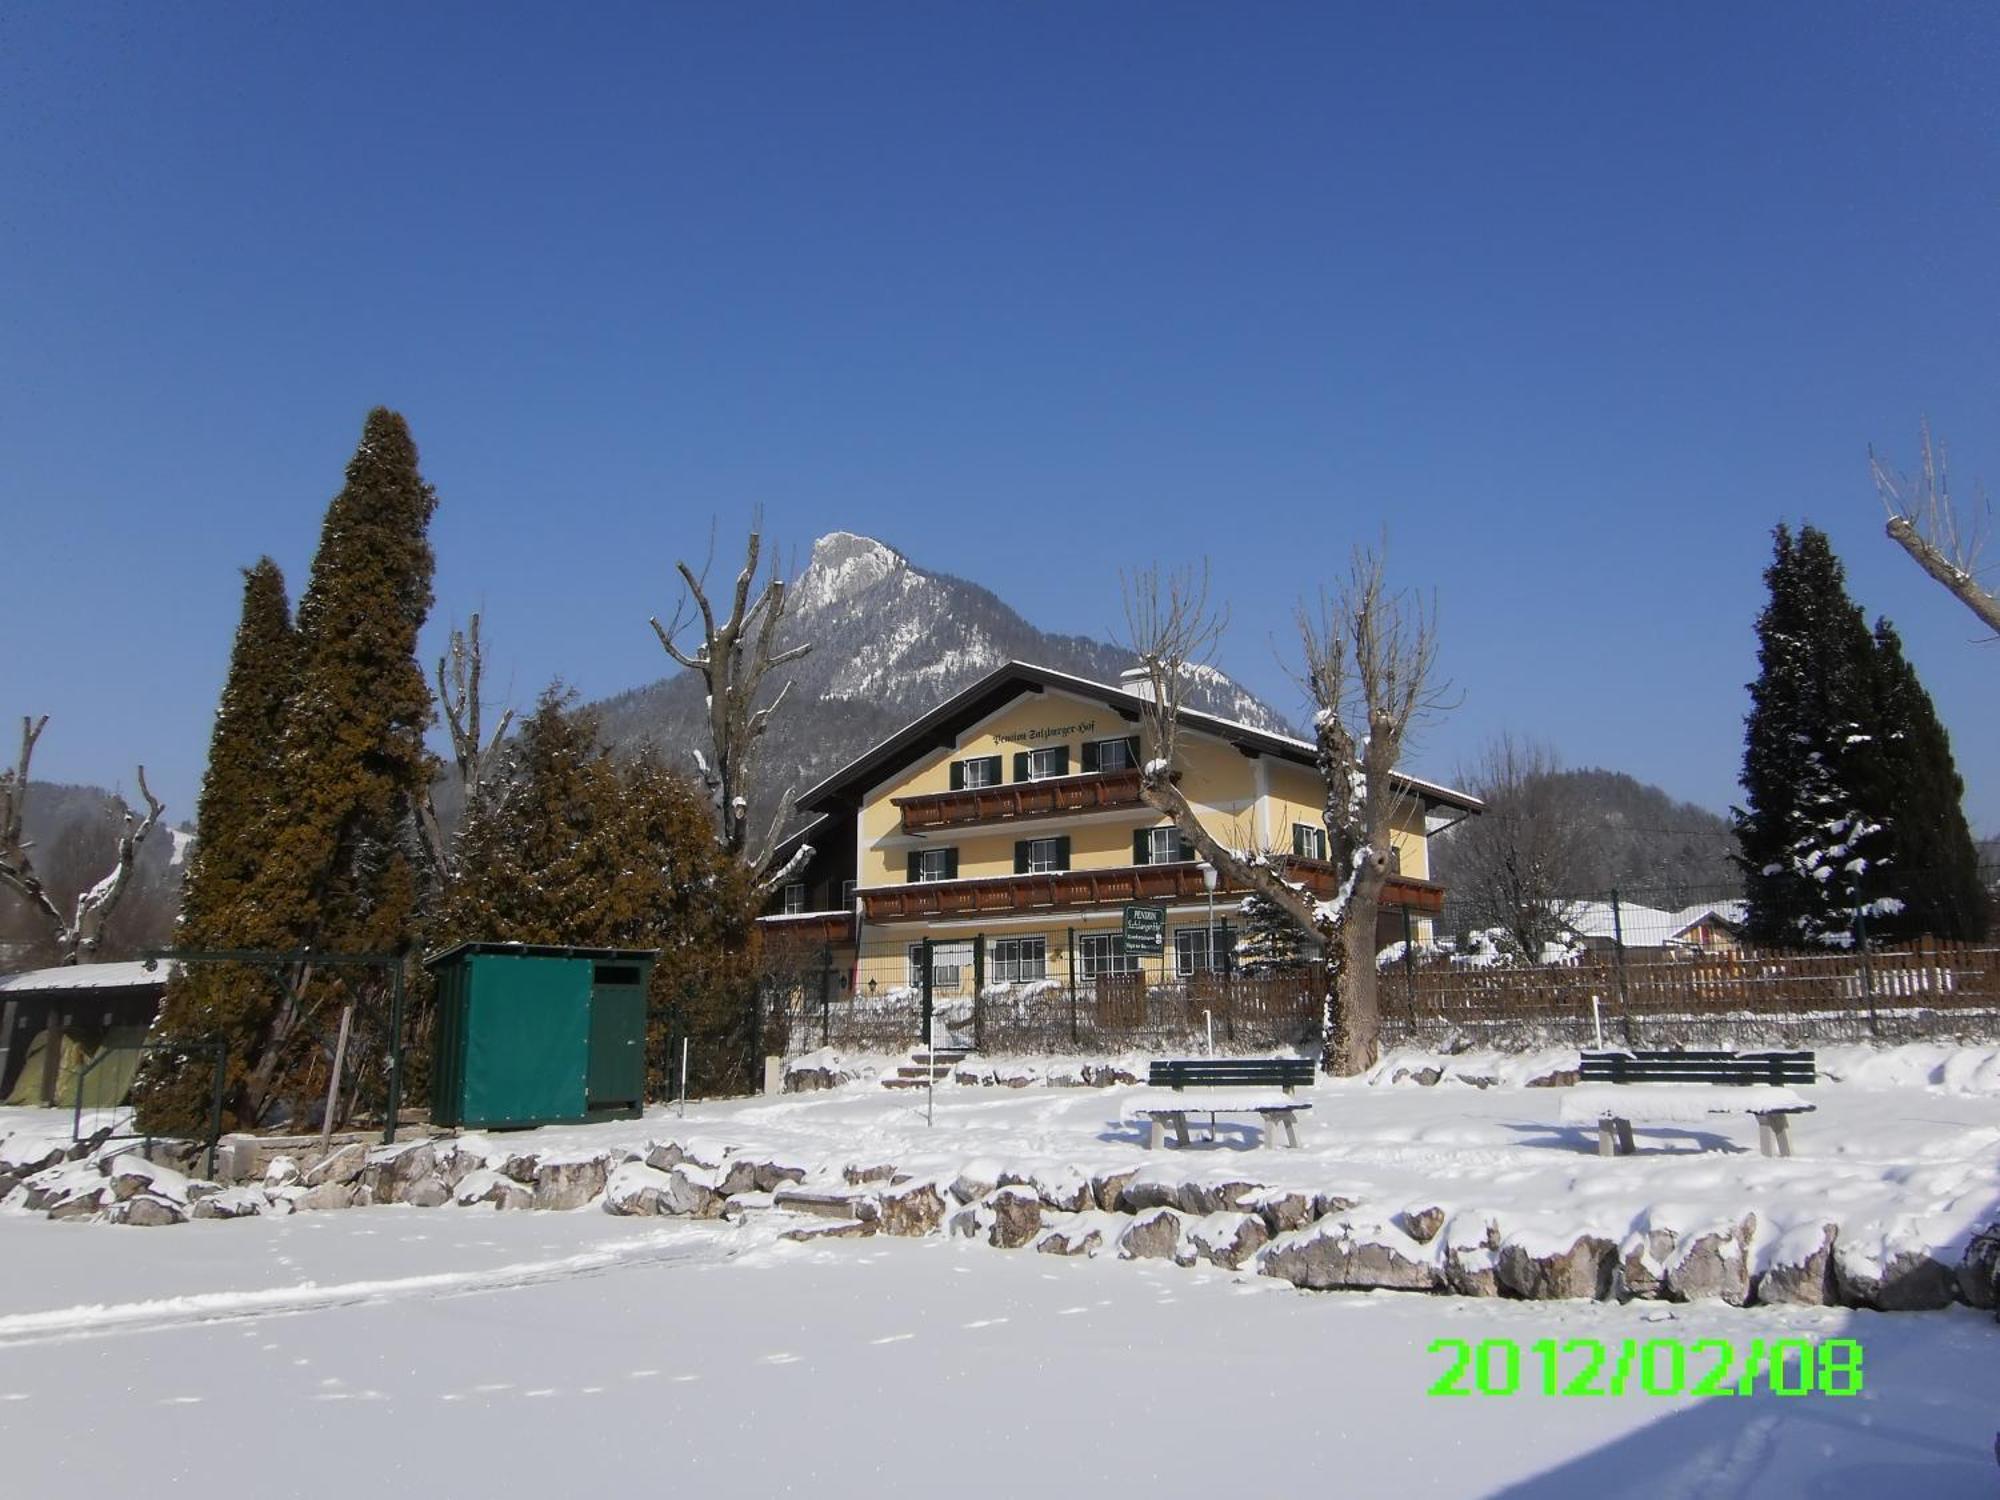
1208,879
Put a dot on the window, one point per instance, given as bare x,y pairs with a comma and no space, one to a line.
846,894
980,770
1192,953
795,898
1018,960
1043,764
1163,845
1308,842
933,864
1111,755
944,977
1104,953
1045,855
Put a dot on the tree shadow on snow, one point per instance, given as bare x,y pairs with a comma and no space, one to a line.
1651,1140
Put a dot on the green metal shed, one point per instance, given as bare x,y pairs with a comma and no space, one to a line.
530,1034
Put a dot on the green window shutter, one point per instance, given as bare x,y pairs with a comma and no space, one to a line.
915,861
1062,852
1062,760
1020,765
1299,833
1090,755
1020,856
951,864
1141,845
1186,845
958,776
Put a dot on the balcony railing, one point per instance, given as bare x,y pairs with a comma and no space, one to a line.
1066,890
810,927
1055,797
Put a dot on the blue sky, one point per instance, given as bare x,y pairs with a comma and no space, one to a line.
1576,300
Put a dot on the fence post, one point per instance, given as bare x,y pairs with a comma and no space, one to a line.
826,995
1618,959
979,992
924,988
395,1054
1072,984
1410,967
1867,971
215,1105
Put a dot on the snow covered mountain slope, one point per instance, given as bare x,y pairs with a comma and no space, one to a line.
890,642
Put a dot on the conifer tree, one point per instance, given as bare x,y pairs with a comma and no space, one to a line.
340,871
1271,941
227,1003
589,851
1931,883
1811,836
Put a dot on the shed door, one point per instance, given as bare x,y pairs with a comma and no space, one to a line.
617,1043
527,1039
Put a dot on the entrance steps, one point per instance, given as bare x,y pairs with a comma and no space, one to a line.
926,1066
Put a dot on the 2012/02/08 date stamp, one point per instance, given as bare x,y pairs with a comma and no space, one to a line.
1649,1367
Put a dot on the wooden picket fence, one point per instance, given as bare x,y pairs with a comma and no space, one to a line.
1923,989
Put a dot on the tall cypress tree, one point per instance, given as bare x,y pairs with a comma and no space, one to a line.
207,1003
340,870
1932,877
1812,836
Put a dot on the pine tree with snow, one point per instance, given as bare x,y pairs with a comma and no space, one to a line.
1271,942
1812,834
207,1002
1932,884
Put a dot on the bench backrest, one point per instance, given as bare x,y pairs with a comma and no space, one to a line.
1286,1073
1733,1068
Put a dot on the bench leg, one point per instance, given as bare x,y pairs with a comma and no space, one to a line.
1291,1130
1180,1130
1625,1145
1156,1132
1775,1130
1604,1147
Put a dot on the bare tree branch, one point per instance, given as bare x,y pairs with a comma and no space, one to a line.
734,658
460,674
1925,522
17,870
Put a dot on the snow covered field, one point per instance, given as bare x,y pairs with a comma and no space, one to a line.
564,1353
471,1352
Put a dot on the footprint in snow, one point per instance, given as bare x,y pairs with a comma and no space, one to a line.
985,1322
498,1385
685,1379
894,1338
1070,1312
182,1401
781,1359
641,1374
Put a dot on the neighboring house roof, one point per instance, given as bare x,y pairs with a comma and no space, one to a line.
133,975
1647,926
940,728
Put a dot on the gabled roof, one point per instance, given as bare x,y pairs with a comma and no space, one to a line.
940,728
134,974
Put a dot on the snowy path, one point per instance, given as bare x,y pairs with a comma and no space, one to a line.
710,1359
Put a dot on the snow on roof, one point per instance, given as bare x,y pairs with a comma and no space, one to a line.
119,976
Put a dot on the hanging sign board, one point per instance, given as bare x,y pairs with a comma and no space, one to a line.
1145,931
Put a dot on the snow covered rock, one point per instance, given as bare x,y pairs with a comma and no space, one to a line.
1109,1075
1017,1217
1979,1269
1798,1269
131,1175
1082,1234
1152,1186
815,1071
636,1190
231,1203
570,1184
1712,1265
1879,1272
489,1186
1420,1224
343,1164
853,1174
748,1175
1286,1209
426,1192
1336,1255
912,1210
282,1171
975,1180
390,1170
327,1195
1471,1262
1109,1187
833,1229
1222,1196
1227,1239
689,1192
1154,1235
146,1211
1064,1189
1582,1268
1642,1261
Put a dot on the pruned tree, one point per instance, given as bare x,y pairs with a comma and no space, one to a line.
1926,522
737,653
1520,864
78,935
1368,658
460,673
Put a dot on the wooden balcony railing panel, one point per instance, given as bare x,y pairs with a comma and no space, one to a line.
1070,889
1011,803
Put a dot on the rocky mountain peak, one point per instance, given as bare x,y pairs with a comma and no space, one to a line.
844,565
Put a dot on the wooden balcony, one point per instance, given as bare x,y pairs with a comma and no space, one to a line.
1074,890
812,928
1011,803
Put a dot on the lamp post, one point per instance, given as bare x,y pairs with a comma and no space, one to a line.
1208,879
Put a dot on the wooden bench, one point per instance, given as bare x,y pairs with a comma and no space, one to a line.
1614,1089
1209,1078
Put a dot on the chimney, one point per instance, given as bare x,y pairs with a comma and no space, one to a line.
1137,681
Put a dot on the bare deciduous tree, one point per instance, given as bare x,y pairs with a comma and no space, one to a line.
1925,522
459,675
1518,865
736,654
77,936
1369,655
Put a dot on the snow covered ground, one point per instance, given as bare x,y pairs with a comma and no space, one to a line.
440,1352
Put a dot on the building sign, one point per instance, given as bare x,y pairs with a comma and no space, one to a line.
1037,736
1145,931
